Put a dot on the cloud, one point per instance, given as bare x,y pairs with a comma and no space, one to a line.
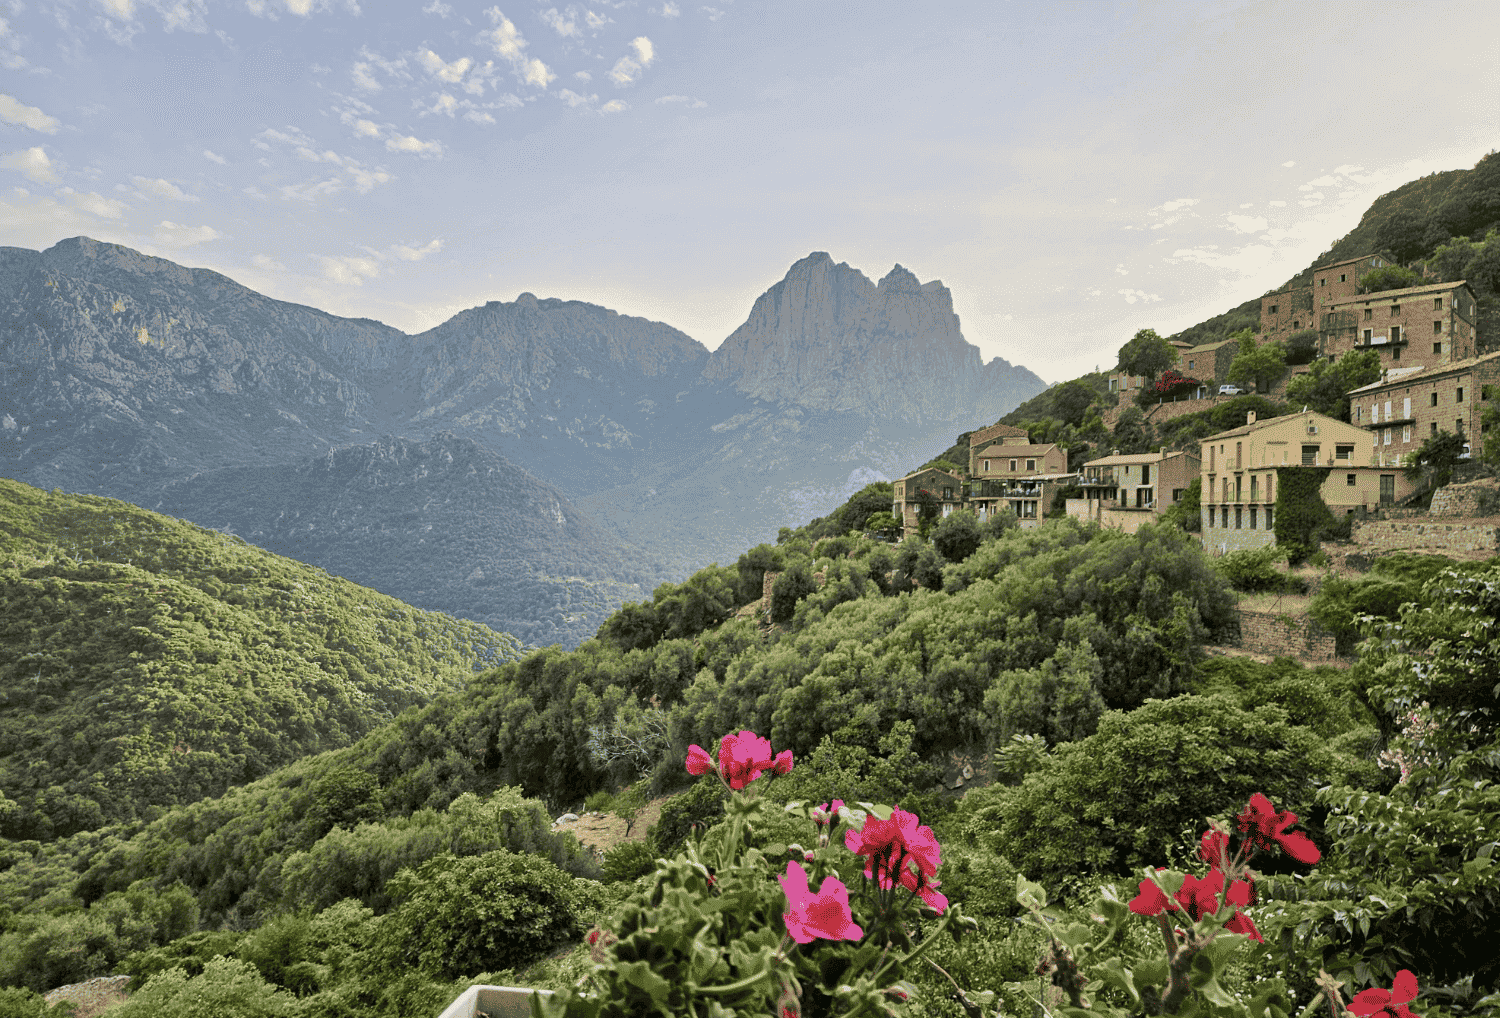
671,99
1277,204
439,8
170,234
312,190
414,145
363,79
32,162
254,192
668,10
628,69
349,269
320,69
452,73
162,189
1247,224
363,75
714,14
416,254
366,129
479,117
572,98
1248,205
1289,164
1323,181
508,43
1316,198
261,261
16,112
563,26
1180,203
583,76
614,106
444,104
1131,296
105,208
1122,270
211,157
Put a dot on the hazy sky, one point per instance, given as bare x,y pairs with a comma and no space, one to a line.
1072,172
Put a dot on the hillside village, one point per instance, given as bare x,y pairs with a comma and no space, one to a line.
1433,380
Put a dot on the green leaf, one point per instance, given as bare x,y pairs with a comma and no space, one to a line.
1028,894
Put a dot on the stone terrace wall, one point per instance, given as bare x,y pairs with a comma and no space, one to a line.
1285,636
1465,539
1476,498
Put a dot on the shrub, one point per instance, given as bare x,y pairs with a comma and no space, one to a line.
628,860
700,805
459,916
789,588
598,802
226,988
1253,569
958,536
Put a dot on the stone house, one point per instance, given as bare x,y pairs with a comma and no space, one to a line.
1286,312
946,489
1126,491
1419,325
1119,381
1406,407
1240,475
1016,475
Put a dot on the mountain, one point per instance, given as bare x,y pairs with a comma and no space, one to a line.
179,389
826,338
487,539
147,662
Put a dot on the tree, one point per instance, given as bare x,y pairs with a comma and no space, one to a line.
1072,400
1133,433
790,587
1261,364
1302,347
1147,354
1435,459
871,499
1450,259
883,524
1388,277
1326,388
1490,419
958,536
1402,235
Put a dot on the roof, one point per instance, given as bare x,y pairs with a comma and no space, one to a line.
1370,298
1206,347
1351,261
1408,375
935,470
1032,451
1132,459
1246,429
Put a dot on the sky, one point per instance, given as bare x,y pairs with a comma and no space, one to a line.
1072,172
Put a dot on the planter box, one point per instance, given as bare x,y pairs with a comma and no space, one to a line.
494,1001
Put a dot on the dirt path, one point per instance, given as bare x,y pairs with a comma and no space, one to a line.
603,831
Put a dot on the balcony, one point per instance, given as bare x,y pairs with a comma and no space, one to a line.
1379,341
1103,479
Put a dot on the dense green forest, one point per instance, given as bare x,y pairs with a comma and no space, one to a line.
146,662
384,876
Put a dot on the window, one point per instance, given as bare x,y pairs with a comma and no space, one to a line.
1437,303
1296,325
1349,479
1269,524
1273,309
1190,365
1239,519
1437,327
1309,455
1437,348
1395,353
1239,455
1387,432
1013,466
1254,490
1239,489
1434,427
1434,399
1321,282
1395,310
1458,427
1359,414
1369,313
1343,452
1406,407
1387,409
1368,334
1177,494
1224,517
1252,517
1395,333
1031,464
1406,434
1343,277
1459,395
986,466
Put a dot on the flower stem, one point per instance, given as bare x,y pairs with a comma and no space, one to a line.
736,987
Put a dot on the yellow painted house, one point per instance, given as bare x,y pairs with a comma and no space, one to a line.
1240,475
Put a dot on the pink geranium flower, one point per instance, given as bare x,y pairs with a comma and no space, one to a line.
884,843
1268,828
1391,1002
744,757
698,761
821,916
783,762
1213,847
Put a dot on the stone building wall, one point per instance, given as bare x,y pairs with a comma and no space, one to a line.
1470,539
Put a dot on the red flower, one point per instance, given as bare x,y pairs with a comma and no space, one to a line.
743,758
886,843
1391,1002
783,762
698,761
1213,847
821,916
1241,923
1151,900
1267,828
593,937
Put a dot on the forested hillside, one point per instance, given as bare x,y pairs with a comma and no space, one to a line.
146,662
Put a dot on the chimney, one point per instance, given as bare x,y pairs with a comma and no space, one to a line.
1250,417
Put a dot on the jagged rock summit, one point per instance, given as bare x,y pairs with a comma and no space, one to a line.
826,338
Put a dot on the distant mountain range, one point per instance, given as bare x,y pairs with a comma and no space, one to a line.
528,465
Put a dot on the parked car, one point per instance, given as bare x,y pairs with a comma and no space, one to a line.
1231,390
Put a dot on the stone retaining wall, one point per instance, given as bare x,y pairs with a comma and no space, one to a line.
1476,498
1462,539
1284,635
